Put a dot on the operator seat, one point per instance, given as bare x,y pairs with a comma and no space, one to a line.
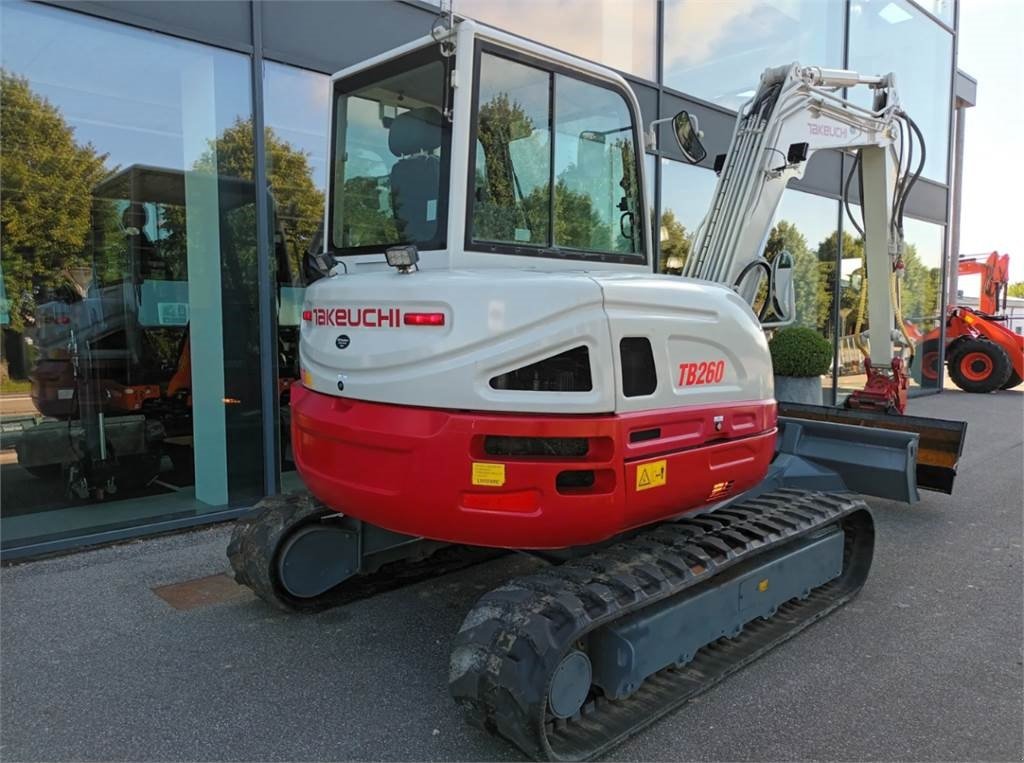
415,179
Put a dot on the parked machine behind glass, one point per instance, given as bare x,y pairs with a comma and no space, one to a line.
113,375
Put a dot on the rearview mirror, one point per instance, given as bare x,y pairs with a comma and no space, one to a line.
688,136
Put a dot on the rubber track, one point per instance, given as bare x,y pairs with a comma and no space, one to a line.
257,537
516,635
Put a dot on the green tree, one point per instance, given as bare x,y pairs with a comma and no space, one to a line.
512,195
363,220
850,289
676,243
919,291
812,277
604,174
47,181
919,287
577,223
298,203
1016,289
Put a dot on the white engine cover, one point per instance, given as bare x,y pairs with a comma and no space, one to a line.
495,321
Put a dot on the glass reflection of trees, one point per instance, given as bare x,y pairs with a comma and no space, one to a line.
595,204
59,237
815,273
46,212
686,193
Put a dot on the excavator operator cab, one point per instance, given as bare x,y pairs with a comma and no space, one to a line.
484,150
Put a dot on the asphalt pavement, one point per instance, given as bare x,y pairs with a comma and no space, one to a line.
926,664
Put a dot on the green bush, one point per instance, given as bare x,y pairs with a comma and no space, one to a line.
799,351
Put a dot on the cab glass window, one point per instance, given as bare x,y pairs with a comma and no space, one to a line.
580,194
597,197
513,154
391,143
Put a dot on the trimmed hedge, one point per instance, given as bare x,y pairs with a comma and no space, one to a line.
800,351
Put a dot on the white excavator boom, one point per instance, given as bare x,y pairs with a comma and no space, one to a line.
796,111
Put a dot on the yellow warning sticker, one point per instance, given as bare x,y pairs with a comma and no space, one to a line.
651,474
488,474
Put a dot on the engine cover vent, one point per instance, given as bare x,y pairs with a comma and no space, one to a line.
567,371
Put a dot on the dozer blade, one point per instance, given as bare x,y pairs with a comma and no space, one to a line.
940,442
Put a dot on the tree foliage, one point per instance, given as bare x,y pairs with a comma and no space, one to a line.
849,292
919,291
513,186
812,278
47,191
676,243
1016,289
298,204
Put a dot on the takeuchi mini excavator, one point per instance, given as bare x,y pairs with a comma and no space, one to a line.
491,361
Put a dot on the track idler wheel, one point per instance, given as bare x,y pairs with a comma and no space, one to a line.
279,552
300,556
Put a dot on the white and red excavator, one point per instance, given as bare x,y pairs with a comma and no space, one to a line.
489,361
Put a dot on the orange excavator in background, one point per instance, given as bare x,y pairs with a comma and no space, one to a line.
982,353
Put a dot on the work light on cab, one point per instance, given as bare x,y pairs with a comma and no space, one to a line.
403,258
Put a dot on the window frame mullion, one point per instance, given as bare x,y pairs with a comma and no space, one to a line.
552,77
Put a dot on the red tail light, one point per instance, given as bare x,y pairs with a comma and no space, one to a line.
307,315
423,319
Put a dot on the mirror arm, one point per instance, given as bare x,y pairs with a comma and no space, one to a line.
651,137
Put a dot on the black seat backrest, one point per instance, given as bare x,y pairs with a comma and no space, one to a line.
415,178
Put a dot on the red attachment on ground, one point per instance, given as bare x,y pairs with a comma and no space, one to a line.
884,391
441,474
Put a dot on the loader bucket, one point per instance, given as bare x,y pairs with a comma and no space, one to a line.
940,442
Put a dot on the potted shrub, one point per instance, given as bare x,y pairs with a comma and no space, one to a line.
799,358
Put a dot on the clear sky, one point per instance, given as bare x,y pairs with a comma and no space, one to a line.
992,51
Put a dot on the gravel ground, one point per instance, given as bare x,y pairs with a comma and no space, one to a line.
925,664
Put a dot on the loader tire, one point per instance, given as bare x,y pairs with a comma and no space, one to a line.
978,365
1013,381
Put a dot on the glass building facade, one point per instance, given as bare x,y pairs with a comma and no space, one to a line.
163,171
